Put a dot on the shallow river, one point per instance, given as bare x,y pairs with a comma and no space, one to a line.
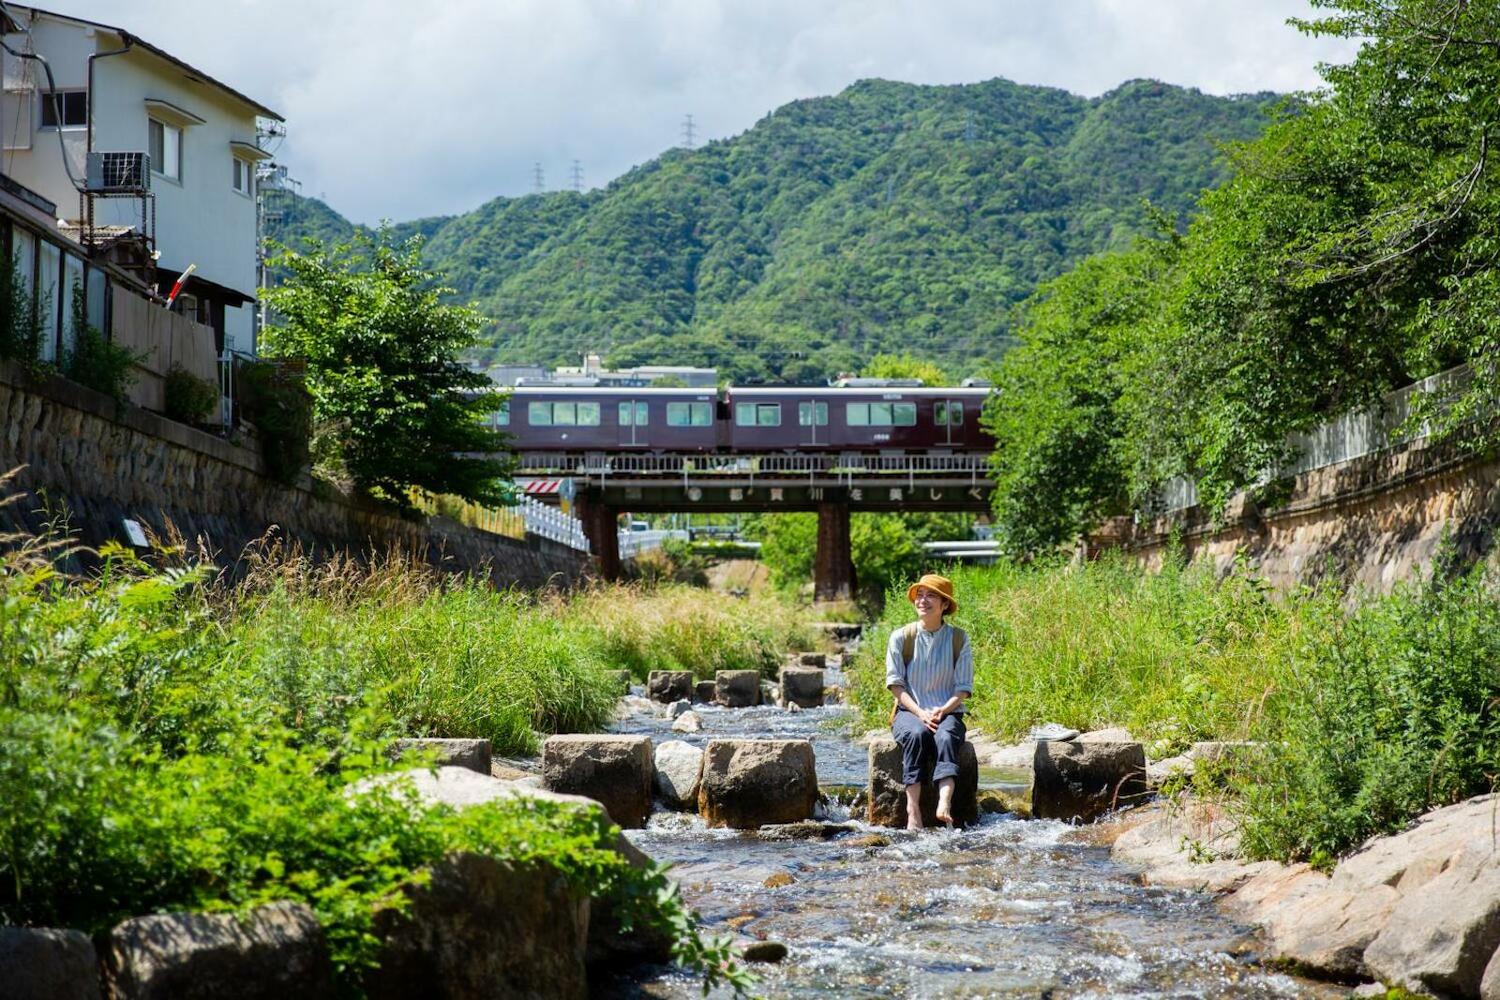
1009,908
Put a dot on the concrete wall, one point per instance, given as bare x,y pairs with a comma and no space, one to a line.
1372,520
104,462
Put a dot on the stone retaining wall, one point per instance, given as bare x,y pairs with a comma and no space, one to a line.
102,462
1371,521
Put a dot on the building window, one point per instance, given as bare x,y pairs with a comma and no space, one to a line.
72,105
166,149
243,172
689,414
563,414
810,414
881,414
633,413
758,414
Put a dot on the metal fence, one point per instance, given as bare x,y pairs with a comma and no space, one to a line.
633,543
602,465
552,524
1383,425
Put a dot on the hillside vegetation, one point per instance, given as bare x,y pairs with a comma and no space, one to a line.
888,218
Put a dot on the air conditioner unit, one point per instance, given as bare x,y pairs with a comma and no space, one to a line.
117,173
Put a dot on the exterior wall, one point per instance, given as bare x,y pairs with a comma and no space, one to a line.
200,219
1372,521
105,462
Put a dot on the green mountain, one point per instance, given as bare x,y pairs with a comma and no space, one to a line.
889,218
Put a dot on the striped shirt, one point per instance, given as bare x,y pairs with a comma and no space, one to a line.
931,678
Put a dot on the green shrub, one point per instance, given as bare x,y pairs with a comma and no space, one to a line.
20,328
96,361
188,398
1389,710
281,410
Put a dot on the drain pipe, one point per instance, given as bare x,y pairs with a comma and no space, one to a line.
88,141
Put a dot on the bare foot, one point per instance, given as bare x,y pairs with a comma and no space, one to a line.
914,823
944,812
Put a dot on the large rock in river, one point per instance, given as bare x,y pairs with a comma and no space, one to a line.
277,952
473,754
802,686
748,783
886,801
737,688
667,686
678,766
41,963
1079,781
615,770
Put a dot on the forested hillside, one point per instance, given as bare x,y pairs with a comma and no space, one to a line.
889,218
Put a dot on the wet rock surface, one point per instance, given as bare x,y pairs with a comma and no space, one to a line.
885,804
1081,780
678,765
749,783
40,963
667,686
737,688
615,770
802,686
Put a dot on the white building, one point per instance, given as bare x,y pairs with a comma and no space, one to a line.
116,92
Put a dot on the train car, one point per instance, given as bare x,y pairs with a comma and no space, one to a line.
594,418
877,418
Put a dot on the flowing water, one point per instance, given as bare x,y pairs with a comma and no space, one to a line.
1008,908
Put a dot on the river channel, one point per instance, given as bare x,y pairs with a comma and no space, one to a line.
1008,908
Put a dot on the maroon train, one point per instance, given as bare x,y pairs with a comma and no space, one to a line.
789,419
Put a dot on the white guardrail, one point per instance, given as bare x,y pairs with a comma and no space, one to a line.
552,524
633,543
1361,432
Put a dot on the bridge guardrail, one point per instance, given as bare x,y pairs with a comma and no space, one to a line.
552,524
603,465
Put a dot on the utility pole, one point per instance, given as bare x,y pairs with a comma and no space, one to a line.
578,176
688,133
536,178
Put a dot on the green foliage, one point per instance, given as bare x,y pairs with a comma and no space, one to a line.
189,398
390,399
279,406
94,360
890,218
905,366
20,329
147,764
1387,712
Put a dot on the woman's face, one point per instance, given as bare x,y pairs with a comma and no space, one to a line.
929,604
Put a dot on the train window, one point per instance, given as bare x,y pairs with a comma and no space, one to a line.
881,414
563,414
539,414
904,414
956,413
501,417
758,414
948,413
857,414
689,414
588,414
809,414
633,413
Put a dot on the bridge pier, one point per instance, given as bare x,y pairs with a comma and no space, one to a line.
601,528
833,567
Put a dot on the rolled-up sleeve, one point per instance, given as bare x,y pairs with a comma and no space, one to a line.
963,671
895,669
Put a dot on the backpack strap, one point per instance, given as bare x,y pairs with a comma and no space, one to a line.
908,644
960,640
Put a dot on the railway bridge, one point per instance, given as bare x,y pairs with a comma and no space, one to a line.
600,485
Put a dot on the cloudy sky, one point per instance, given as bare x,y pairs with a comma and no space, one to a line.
397,110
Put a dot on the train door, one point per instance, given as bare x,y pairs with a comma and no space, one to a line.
948,416
634,419
812,423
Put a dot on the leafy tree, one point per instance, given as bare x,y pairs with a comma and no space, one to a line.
905,366
390,399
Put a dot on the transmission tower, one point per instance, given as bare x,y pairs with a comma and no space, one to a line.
688,133
577,176
970,133
536,178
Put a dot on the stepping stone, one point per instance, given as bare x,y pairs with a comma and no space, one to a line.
667,686
473,754
737,688
749,783
802,686
885,803
1077,782
616,771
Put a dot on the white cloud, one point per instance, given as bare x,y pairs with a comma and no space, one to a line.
399,110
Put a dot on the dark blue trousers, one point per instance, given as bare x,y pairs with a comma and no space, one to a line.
920,748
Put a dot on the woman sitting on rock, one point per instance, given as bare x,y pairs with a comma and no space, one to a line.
930,670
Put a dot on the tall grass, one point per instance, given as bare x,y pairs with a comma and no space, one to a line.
1367,709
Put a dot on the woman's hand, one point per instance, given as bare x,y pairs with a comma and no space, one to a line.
932,719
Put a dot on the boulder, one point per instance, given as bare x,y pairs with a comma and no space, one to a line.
1489,986
748,783
1114,734
634,704
677,708
1443,933
1414,856
885,803
1159,772
763,951
473,754
483,928
770,694
806,830
276,952
1327,932
614,770
1260,897
687,722
705,692
619,681
667,686
40,963
1078,781
677,768
818,660
737,688
802,686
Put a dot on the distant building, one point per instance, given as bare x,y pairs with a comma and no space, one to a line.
181,180
592,372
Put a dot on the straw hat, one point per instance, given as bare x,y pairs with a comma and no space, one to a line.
938,584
